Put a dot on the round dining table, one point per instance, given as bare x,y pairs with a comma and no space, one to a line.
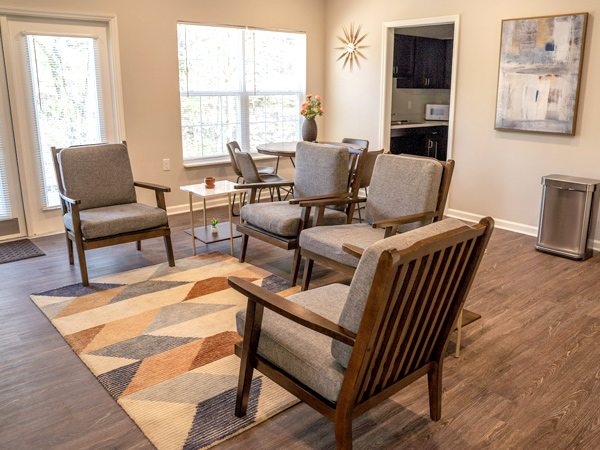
288,149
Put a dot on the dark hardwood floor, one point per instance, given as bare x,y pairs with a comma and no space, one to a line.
528,376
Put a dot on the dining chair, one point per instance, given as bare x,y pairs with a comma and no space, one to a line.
98,201
322,171
232,149
367,174
343,350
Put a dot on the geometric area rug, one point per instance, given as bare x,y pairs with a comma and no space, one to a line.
160,339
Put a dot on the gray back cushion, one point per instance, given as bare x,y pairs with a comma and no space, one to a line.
320,170
98,175
401,186
363,278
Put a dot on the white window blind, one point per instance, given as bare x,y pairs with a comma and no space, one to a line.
65,94
239,84
5,209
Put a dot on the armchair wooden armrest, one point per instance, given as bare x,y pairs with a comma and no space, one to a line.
263,185
385,223
353,250
292,311
295,201
154,187
72,201
333,201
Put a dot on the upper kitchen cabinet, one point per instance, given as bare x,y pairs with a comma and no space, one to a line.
422,63
404,60
430,63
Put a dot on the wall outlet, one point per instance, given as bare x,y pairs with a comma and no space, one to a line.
409,104
166,164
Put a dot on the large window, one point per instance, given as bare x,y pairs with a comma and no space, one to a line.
238,84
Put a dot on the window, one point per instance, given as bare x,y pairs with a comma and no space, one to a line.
238,84
65,92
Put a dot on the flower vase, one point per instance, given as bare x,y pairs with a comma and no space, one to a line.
309,130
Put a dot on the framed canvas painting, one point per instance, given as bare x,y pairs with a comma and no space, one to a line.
540,73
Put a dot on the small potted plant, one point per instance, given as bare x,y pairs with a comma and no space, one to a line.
214,223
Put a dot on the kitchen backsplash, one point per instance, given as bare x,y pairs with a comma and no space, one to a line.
419,98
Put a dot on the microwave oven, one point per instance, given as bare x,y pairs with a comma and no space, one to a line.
437,112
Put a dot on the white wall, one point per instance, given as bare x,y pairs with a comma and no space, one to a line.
497,173
149,69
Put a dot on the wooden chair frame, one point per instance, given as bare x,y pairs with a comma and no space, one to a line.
75,236
292,243
412,308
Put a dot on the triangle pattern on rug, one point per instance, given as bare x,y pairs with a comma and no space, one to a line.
145,287
79,290
181,266
181,312
212,424
117,380
142,347
91,301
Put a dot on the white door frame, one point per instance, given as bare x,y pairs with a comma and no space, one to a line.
19,125
387,55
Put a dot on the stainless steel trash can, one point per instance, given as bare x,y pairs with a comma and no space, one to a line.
568,216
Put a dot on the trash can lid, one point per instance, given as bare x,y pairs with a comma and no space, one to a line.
569,182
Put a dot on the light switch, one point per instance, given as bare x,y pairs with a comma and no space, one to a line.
166,164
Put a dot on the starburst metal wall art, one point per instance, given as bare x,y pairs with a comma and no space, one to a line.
351,49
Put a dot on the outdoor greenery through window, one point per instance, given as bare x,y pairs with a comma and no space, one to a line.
238,84
65,92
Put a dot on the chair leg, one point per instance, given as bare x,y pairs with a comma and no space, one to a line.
70,249
343,433
139,245
458,334
295,267
82,265
169,249
434,381
244,247
308,265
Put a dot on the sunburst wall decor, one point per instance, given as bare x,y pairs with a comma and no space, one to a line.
351,49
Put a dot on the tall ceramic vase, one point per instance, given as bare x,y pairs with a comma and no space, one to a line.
309,130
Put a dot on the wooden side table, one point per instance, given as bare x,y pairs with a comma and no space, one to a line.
205,234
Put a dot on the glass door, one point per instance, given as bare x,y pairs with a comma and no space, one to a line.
59,79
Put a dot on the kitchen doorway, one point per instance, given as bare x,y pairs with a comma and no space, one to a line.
418,86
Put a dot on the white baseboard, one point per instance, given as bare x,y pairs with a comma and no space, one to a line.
504,224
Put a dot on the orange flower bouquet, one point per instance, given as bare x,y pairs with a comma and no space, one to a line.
312,107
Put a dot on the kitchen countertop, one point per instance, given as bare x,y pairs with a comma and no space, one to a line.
428,123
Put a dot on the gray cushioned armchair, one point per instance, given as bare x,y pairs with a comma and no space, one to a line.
344,349
99,203
405,192
322,171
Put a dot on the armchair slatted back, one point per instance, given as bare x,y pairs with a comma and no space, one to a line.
412,308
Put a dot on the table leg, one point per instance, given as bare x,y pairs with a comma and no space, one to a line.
192,220
204,210
229,207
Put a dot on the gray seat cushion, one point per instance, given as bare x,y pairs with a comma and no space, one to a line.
117,219
403,185
98,175
300,352
328,241
283,219
363,278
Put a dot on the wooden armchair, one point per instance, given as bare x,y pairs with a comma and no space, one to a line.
343,350
98,201
322,172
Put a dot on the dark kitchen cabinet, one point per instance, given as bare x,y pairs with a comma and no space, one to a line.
420,141
430,63
404,60
422,63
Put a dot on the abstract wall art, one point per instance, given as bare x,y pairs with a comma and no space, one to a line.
540,73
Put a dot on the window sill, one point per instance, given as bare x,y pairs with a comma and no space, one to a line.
220,161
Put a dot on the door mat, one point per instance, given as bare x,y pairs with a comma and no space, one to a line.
161,341
18,250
